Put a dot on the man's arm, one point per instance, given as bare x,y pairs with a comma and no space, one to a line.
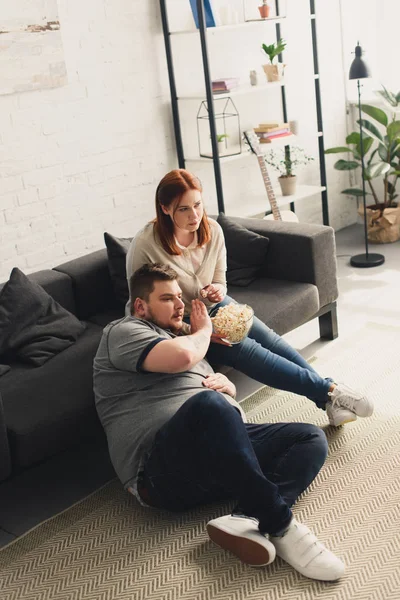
183,352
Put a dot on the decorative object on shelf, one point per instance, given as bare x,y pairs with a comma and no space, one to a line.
208,13
224,85
277,215
226,120
378,155
285,160
274,72
253,78
268,132
264,9
221,139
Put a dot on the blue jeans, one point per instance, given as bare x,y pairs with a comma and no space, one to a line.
264,356
206,453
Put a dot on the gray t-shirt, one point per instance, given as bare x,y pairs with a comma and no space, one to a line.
133,404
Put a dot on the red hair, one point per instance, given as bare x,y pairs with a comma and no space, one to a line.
169,191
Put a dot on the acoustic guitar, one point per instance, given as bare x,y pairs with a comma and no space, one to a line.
277,215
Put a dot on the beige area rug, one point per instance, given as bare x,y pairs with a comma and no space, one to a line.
107,546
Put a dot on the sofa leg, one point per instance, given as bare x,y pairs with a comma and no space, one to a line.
328,324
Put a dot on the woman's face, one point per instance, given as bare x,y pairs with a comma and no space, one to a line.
188,213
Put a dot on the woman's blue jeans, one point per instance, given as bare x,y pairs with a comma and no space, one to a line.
264,356
205,453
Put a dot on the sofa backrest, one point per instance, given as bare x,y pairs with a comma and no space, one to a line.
91,283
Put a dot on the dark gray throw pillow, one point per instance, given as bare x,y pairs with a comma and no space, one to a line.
117,249
246,252
33,326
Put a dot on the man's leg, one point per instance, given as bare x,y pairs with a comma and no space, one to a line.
205,453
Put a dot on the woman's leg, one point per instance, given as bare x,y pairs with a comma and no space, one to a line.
267,358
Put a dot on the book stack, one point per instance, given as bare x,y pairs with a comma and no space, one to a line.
267,132
222,86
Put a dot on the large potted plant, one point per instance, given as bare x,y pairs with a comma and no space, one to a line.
274,72
285,161
381,148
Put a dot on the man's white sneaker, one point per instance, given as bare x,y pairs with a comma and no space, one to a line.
241,536
339,416
354,401
301,549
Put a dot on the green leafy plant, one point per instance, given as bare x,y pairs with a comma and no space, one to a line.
285,160
274,50
221,137
392,99
381,155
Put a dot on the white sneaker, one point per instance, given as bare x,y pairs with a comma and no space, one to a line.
301,549
339,416
240,535
345,397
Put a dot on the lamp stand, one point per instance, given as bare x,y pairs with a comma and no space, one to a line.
367,259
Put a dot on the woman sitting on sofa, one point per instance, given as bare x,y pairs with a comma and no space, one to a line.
183,237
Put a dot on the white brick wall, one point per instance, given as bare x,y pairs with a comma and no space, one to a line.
85,158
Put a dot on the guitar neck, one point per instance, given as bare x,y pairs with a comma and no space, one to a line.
269,188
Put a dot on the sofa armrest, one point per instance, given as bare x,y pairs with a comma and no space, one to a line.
301,252
5,458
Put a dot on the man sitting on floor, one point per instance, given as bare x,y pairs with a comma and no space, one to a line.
177,438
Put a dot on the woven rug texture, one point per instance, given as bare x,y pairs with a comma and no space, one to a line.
108,547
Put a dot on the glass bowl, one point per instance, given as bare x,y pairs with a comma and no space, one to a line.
232,321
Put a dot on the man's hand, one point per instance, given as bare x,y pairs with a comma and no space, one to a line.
212,292
220,383
200,319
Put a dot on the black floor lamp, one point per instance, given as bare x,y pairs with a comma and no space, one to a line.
359,70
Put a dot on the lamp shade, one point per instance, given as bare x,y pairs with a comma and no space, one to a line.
358,68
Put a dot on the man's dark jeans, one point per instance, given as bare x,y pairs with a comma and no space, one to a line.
206,453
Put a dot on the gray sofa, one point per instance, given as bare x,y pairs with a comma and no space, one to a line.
46,409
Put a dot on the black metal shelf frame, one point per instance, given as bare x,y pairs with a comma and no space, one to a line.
210,100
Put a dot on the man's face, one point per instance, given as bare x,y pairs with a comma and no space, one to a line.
164,307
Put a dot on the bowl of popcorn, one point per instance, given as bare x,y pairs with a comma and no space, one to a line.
232,321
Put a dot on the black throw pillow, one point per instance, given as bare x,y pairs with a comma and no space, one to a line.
117,249
246,252
33,326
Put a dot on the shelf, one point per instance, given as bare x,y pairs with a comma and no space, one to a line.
284,141
242,89
222,28
261,205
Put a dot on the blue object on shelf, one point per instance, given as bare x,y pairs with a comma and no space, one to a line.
208,12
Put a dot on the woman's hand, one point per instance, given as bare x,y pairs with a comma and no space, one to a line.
217,339
220,383
212,292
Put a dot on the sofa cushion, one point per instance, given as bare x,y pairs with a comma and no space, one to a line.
282,305
117,249
33,326
246,252
49,408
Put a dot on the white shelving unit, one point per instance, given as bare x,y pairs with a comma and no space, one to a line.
260,205
279,142
222,28
239,91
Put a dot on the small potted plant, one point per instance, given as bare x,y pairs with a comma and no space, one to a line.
274,72
264,9
221,137
285,160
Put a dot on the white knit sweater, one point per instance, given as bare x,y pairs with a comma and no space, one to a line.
196,267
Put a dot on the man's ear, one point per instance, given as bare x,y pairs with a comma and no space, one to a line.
139,308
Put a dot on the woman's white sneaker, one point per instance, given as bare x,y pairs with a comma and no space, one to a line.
301,549
241,536
345,397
